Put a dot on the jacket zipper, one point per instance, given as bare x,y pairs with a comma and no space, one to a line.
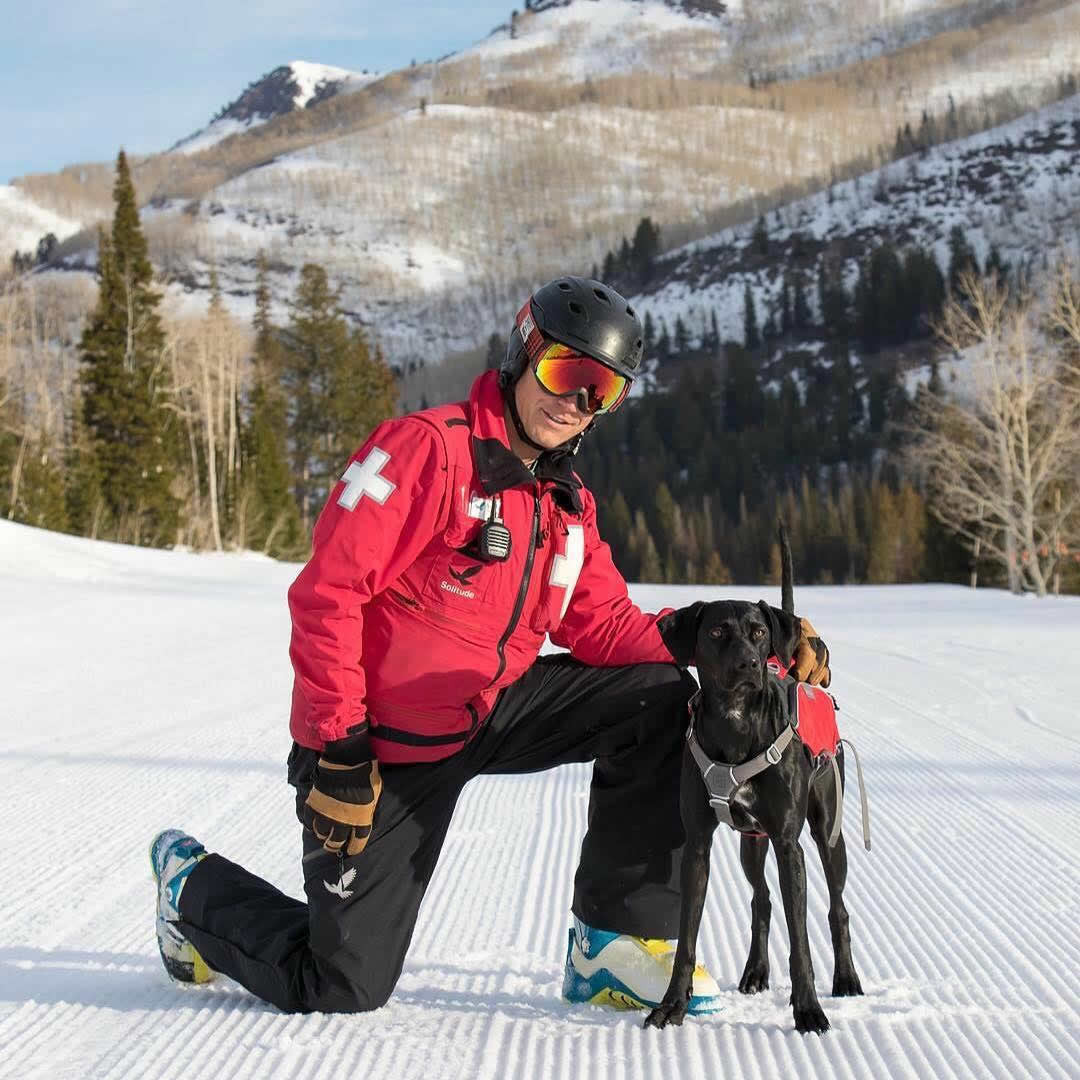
519,605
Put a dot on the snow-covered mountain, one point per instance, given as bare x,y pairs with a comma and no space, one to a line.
436,195
23,223
1015,187
292,86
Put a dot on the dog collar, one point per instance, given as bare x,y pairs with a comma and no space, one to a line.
722,779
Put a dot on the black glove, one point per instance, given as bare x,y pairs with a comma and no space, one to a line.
810,662
340,807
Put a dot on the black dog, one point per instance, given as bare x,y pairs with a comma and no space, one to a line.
743,713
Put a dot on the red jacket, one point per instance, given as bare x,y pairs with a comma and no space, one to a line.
394,619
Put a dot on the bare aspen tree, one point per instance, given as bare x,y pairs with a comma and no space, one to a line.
206,367
1001,446
37,373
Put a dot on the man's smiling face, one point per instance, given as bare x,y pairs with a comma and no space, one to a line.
548,420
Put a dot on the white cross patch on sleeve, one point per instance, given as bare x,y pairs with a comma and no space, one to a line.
362,478
565,568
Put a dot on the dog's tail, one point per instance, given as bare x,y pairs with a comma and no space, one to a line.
787,572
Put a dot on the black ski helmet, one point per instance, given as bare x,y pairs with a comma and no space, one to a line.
586,315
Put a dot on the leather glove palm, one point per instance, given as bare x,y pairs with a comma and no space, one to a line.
340,807
810,661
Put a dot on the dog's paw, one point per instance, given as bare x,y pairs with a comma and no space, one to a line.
811,1018
667,1012
846,985
754,979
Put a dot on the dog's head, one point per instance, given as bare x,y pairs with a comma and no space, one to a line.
728,641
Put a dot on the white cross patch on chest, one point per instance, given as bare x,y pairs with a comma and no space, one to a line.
565,568
362,478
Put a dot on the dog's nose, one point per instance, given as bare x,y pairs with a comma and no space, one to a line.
750,661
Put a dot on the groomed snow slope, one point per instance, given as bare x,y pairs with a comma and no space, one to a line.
146,689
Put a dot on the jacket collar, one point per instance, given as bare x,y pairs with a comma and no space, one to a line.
498,467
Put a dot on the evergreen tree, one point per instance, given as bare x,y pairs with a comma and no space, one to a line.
40,500
682,337
961,257
834,302
880,300
751,335
760,240
996,267
715,571
128,428
338,392
924,289
274,519
649,334
663,517
801,317
645,249
714,334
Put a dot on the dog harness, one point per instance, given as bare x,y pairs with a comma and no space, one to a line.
811,715
723,780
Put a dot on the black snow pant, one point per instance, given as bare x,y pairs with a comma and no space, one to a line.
344,949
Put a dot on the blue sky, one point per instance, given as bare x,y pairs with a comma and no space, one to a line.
80,79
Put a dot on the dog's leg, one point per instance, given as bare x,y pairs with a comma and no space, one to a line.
752,853
695,882
821,813
809,1015
699,821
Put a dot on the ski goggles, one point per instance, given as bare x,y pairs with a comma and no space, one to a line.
563,371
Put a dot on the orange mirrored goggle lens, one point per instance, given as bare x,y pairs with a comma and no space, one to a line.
562,371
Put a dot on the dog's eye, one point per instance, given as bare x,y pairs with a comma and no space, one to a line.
759,633
717,631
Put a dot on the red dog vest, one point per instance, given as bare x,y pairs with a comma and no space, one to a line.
813,714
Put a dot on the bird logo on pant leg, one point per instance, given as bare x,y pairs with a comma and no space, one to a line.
341,886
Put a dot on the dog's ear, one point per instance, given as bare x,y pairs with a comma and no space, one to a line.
679,631
784,630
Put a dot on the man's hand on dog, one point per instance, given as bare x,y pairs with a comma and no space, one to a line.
810,662
340,807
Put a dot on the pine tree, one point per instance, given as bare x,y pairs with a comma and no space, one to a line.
650,334
760,239
961,257
338,391
128,428
801,317
751,335
715,571
644,250
274,519
682,337
41,499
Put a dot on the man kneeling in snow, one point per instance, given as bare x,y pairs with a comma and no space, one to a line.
456,539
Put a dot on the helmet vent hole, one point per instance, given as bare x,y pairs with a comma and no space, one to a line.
601,295
565,286
637,344
630,312
576,308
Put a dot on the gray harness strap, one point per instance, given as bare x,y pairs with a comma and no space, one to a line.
864,804
722,779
